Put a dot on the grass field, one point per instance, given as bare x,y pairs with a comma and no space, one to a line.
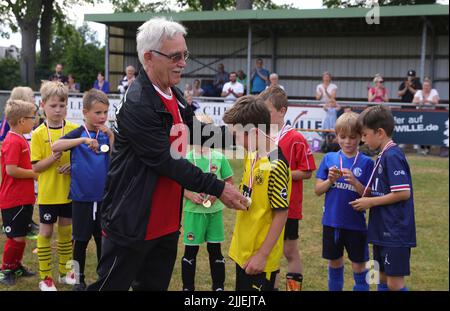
429,261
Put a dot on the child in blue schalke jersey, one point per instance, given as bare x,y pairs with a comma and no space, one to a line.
342,176
389,196
90,152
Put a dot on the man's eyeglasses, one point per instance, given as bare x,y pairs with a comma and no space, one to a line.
176,57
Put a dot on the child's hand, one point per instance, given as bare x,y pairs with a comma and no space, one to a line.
197,198
333,174
255,264
92,144
361,204
56,155
212,199
36,176
64,169
105,129
349,177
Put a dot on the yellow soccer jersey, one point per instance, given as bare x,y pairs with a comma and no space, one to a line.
53,188
271,192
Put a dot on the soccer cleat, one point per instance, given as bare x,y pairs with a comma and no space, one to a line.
293,286
7,277
68,279
80,287
47,285
21,271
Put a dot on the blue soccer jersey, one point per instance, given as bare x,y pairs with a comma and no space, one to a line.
392,225
338,213
88,169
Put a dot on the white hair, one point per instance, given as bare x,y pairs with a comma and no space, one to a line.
152,33
273,75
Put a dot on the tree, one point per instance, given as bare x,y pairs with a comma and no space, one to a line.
33,18
368,3
80,52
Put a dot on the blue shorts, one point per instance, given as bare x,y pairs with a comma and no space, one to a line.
393,261
335,240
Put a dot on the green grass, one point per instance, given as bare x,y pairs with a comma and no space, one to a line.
429,261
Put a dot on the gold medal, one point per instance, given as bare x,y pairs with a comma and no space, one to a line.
206,204
104,148
249,202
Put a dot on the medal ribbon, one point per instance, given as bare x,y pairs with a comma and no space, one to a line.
341,167
388,145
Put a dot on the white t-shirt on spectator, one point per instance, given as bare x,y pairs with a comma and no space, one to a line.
419,95
237,88
331,87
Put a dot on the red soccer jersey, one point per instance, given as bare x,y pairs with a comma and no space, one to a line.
166,200
296,150
16,191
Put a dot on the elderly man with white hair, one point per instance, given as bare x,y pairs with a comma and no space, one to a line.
144,192
273,78
126,81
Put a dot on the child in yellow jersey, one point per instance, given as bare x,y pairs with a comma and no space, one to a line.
53,185
257,243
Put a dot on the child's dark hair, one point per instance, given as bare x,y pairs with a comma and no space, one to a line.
94,96
248,110
276,96
378,117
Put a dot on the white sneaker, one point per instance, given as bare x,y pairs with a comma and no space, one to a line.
68,279
47,285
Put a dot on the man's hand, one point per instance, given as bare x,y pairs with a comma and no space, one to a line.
255,264
361,204
232,198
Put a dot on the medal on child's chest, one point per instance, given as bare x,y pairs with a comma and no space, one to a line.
247,189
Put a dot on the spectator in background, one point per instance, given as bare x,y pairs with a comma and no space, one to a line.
220,78
127,79
101,84
409,87
242,79
188,90
259,77
331,108
378,93
58,75
197,89
426,98
273,78
232,90
73,86
326,90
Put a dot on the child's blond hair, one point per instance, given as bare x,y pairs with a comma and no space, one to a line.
24,93
17,109
54,88
348,124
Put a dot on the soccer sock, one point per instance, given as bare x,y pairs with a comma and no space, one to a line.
79,255
64,248
188,266
98,244
294,282
335,279
382,287
360,282
217,265
11,254
44,257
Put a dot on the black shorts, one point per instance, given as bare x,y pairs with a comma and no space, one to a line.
49,213
394,261
17,220
258,282
291,229
86,220
335,240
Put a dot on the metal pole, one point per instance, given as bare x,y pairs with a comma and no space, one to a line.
274,51
249,57
107,53
423,50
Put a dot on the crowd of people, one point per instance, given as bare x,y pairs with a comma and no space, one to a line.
125,188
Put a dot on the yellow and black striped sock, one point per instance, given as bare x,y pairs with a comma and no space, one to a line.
44,257
64,248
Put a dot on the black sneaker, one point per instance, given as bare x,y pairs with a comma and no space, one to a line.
80,287
7,277
21,271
